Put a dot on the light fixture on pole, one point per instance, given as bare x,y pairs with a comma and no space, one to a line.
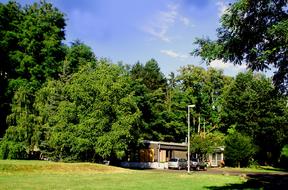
189,106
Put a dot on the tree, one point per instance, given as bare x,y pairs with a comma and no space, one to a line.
250,103
77,56
239,149
150,87
10,18
31,51
204,89
255,33
149,74
204,144
92,116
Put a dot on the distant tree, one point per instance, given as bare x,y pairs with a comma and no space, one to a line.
255,33
77,56
204,89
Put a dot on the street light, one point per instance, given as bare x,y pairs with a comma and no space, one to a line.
189,106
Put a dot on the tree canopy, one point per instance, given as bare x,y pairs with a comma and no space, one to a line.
252,33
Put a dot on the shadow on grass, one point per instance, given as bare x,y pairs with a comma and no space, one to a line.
275,169
259,181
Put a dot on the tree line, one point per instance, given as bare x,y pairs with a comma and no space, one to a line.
65,103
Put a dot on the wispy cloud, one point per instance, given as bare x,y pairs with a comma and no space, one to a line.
185,20
174,54
228,68
222,7
163,21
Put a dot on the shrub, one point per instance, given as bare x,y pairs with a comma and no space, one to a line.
12,150
239,149
284,157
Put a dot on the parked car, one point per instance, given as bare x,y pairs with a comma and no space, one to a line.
196,164
177,163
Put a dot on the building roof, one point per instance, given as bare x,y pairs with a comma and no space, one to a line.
165,143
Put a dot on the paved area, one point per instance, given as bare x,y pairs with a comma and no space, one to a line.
228,171
253,180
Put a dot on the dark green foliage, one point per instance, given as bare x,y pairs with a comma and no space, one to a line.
239,149
13,150
31,53
77,56
149,74
10,16
150,86
252,32
284,157
253,106
38,51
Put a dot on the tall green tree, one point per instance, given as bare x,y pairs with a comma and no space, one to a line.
252,105
92,116
10,18
31,52
252,33
150,87
204,89
32,36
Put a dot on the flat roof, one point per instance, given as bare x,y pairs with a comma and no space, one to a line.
165,143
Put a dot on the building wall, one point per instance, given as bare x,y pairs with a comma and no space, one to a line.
216,159
147,155
179,154
163,156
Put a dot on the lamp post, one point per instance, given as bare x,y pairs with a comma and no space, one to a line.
189,106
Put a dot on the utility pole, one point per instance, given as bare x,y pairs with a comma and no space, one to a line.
188,154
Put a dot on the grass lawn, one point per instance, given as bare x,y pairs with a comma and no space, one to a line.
51,175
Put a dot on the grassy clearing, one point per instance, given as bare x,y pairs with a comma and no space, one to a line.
17,166
50,175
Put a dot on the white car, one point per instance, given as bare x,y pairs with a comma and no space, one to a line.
177,163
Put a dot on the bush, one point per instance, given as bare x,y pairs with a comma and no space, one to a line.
284,157
239,149
12,150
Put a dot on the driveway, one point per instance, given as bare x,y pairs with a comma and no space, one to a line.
253,180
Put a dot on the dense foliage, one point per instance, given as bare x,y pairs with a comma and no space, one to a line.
61,102
239,149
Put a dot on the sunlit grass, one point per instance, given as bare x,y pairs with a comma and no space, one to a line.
50,175
13,166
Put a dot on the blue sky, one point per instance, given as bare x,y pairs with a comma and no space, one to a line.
138,30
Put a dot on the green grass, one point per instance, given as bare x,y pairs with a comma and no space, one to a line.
259,169
50,175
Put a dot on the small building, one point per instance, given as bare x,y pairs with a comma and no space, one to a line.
216,159
154,151
155,154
